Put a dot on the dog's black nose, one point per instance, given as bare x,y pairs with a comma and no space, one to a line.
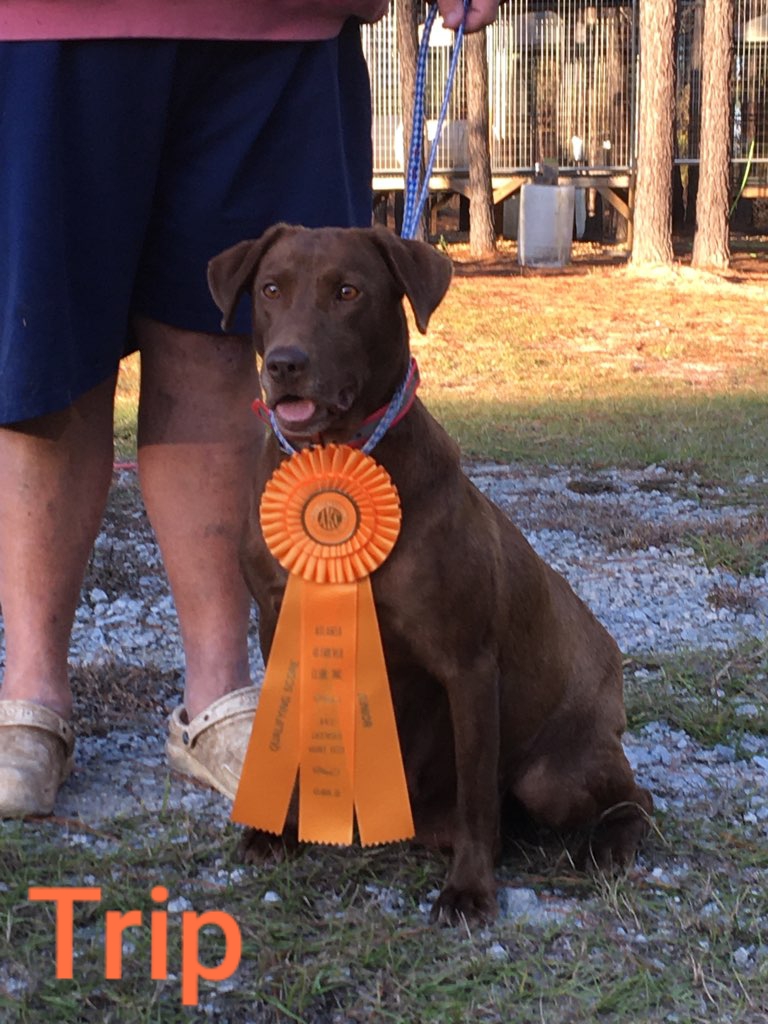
286,363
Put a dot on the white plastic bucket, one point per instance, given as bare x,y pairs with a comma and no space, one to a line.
546,225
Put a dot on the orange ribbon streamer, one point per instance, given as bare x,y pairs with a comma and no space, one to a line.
330,516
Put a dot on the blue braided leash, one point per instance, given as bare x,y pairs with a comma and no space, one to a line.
409,384
416,188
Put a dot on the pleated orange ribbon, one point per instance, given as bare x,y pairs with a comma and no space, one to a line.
330,516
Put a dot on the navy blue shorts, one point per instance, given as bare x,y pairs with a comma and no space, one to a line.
125,165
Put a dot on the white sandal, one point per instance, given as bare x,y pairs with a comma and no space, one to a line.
211,748
36,748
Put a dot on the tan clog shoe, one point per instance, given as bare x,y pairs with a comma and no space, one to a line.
36,747
211,748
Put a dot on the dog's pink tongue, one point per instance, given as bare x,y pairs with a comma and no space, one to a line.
296,410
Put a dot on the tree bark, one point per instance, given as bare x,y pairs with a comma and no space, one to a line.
652,242
711,243
407,15
482,235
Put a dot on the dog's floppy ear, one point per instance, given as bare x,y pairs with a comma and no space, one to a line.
232,271
421,271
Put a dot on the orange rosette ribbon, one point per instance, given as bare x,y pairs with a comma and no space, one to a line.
330,516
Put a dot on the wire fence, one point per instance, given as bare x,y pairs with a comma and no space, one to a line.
563,87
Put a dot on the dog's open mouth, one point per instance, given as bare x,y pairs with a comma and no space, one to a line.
299,416
295,413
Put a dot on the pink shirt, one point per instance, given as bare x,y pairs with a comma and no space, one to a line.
181,19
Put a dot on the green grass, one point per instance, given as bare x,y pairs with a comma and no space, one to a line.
349,941
702,693
126,408
633,950
719,437
742,550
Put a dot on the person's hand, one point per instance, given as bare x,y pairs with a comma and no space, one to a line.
480,14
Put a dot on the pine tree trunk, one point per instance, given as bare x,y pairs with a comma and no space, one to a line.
710,244
482,236
407,15
652,243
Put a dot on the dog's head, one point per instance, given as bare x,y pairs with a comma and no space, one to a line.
328,320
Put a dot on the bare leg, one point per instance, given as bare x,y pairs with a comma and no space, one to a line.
56,471
197,446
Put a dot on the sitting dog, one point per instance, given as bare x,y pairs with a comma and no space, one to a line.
507,691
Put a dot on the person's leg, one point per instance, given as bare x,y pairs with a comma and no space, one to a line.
239,111
56,471
197,446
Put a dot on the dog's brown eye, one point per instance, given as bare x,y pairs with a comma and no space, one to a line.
270,290
347,292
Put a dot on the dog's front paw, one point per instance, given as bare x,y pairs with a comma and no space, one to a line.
257,847
616,837
472,906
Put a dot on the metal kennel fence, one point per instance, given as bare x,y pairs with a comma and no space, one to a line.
563,88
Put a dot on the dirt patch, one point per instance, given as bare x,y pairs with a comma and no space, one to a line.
646,320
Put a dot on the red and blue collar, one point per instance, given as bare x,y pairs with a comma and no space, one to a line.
373,428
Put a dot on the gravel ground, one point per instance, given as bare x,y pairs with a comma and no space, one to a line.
653,598
627,541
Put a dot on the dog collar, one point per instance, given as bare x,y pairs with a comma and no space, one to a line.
372,429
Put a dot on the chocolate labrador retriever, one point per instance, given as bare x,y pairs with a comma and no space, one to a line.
507,690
